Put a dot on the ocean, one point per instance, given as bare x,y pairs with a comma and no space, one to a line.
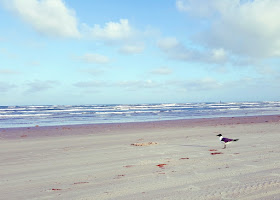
50,115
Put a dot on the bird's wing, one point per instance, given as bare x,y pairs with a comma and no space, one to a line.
226,140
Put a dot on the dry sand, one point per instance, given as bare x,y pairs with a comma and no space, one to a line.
180,159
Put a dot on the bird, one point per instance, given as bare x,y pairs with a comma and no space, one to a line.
226,140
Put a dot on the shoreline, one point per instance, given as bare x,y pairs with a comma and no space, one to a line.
38,131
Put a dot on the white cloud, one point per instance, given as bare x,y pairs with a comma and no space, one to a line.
93,72
94,58
5,87
168,43
125,84
132,49
203,8
175,49
246,28
162,71
49,17
91,84
112,31
118,33
218,55
203,84
54,18
137,84
8,72
39,85
267,70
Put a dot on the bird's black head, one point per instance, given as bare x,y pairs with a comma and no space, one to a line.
219,135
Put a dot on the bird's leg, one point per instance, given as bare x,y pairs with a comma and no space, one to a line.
224,146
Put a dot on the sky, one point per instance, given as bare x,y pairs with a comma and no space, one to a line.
69,52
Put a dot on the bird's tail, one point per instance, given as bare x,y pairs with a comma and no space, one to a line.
235,140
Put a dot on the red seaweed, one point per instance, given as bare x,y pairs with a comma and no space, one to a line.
161,165
128,166
216,153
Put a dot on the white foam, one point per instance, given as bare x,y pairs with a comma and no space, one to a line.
23,115
59,114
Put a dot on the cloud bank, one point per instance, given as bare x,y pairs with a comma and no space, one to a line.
245,28
54,19
94,58
175,49
49,17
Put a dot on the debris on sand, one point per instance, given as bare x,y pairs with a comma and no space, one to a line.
144,144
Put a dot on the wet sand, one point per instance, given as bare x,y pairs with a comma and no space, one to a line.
181,159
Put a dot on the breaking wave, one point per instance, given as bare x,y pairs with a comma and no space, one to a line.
48,115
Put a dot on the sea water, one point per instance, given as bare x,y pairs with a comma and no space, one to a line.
49,115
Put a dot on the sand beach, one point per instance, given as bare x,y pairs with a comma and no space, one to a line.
180,159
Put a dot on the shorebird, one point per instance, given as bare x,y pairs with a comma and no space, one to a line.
226,140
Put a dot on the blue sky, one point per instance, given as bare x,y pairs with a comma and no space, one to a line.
102,52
